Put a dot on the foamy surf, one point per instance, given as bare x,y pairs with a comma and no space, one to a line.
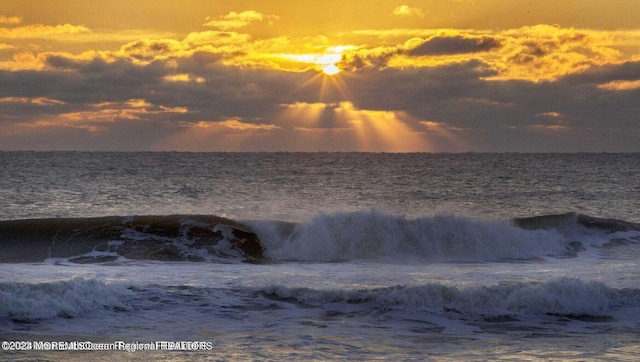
570,297
375,235
23,302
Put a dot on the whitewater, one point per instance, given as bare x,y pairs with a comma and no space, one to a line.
321,256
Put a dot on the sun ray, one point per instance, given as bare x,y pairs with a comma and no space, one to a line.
381,130
333,88
369,130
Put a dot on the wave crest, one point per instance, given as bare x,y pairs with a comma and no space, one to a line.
563,296
369,235
376,235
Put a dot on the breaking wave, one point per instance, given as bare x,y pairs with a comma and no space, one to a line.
375,235
67,299
443,238
369,235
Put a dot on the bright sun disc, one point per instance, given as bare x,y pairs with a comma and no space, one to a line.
330,69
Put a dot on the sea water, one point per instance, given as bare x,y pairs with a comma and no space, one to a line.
364,256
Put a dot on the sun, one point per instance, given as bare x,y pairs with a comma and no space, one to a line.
330,69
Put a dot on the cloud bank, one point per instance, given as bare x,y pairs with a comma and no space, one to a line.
538,88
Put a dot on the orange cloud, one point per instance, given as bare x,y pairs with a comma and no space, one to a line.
131,110
405,10
229,135
12,20
620,85
216,38
555,122
534,53
551,114
183,77
24,61
38,101
93,120
545,52
42,31
235,20
232,124
550,127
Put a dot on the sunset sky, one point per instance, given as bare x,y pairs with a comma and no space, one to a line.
356,75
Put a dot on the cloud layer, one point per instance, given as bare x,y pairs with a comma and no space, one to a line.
236,83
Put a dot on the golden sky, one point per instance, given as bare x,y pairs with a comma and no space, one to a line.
396,76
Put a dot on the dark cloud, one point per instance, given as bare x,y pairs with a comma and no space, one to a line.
148,50
414,89
489,115
219,93
205,58
505,115
606,73
375,59
61,62
443,45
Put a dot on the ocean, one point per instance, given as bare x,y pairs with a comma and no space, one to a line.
319,256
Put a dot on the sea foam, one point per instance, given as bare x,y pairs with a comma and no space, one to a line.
562,296
376,235
66,298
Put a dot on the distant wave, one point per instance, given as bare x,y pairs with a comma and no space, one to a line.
370,235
